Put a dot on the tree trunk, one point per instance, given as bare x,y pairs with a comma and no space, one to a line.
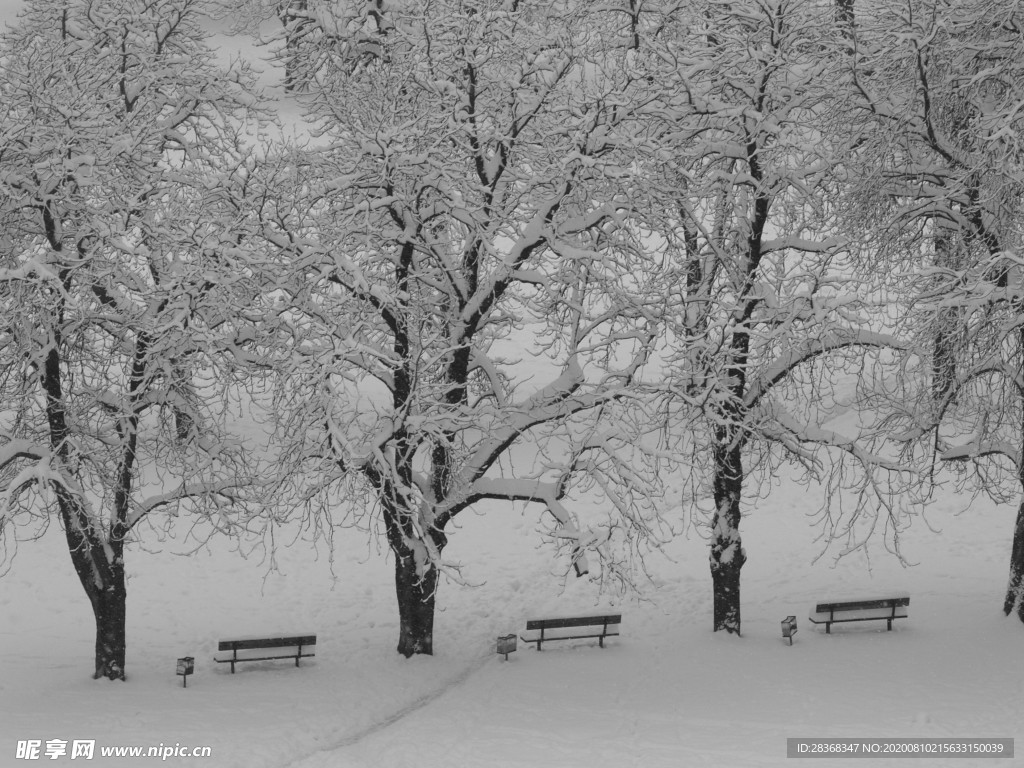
416,592
100,568
725,577
293,19
98,562
108,605
727,554
947,348
416,579
1014,602
846,19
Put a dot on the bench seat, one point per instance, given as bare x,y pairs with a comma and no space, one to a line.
829,612
259,649
541,631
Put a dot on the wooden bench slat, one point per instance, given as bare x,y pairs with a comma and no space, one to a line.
266,642
574,621
855,605
880,613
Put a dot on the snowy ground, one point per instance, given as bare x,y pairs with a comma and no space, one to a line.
668,692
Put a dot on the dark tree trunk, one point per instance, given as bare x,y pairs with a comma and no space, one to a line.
944,357
1014,602
99,563
100,569
844,12
846,19
416,581
185,427
109,605
416,593
290,12
947,329
727,554
725,577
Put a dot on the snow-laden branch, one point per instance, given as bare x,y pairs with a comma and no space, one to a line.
557,401
552,402
21,449
222,489
547,493
794,435
992,364
784,364
490,291
32,268
801,244
977,449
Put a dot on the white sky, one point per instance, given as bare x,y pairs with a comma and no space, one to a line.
8,10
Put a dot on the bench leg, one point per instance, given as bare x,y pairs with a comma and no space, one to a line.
600,641
889,622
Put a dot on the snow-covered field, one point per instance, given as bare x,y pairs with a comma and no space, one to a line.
668,692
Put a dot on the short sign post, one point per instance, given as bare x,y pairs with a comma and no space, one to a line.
186,666
789,628
507,644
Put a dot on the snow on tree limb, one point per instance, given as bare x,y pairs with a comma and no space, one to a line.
227,491
549,494
980,449
796,434
15,449
778,369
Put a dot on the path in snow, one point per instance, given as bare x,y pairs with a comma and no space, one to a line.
401,714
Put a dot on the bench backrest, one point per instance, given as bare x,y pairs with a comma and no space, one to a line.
266,642
577,621
863,605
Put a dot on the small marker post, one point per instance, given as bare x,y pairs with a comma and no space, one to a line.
507,644
186,666
789,628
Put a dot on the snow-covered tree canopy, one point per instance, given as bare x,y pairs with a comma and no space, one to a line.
122,285
472,183
768,320
936,89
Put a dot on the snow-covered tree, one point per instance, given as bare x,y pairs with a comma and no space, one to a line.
122,287
468,196
771,321
938,88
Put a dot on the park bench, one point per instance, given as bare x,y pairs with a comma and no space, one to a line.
294,645
576,624
836,611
